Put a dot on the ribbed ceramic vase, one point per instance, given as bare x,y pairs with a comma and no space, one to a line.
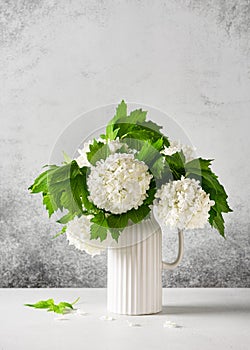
135,270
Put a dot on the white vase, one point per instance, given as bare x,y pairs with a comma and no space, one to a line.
135,270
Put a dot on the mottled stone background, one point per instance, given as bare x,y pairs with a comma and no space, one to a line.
59,59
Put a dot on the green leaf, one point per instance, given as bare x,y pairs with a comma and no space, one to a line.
146,131
98,151
115,234
158,167
137,215
176,163
68,201
121,112
66,218
99,227
129,123
113,134
67,159
64,304
134,129
199,169
199,163
56,309
97,231
52,307
41,182
62,173
117,221
134,125
149,153
48,204
89,206
65,187
133,143
111,130
122,149
63,230
158,144
136,116
42,304
150,193
218,223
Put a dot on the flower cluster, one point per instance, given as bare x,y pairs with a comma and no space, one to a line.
176,146
78,234
183,204
118,183
115,179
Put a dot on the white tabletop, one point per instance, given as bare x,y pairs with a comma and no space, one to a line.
208,319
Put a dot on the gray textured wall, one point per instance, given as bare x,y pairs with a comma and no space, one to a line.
61,58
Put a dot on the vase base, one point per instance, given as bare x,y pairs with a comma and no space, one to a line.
139,313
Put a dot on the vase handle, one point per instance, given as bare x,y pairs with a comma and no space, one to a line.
173,265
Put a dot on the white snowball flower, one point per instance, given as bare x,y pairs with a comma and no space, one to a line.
119,183
78,234
114,146
176,146
183,204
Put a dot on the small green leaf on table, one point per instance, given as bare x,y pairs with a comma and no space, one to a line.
50,305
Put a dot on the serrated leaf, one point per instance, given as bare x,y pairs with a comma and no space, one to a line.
89,206
199,163
61,174
142,131
200,169
150,193
152,126
65,188
115,234
121,112
56,185
218,223
136,116
176,163
98,151
68,193
41,182
129,123
97,231
99,227
148,153
69,202
133,143
48,204
157,168
117,220
113,134
137,215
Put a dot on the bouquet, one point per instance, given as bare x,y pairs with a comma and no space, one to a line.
124,174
